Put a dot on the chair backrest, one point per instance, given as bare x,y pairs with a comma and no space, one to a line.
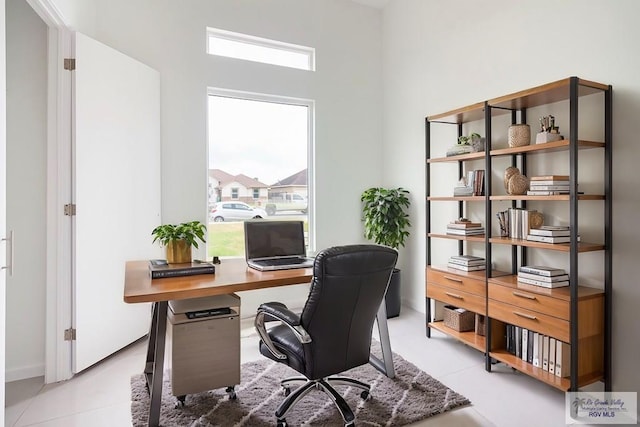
348,286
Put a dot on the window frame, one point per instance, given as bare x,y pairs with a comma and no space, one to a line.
279,99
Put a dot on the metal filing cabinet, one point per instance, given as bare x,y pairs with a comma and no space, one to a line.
204,345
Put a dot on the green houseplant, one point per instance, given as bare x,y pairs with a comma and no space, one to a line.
178,239
386,222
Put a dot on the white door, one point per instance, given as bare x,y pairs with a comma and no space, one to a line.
3,198
116,179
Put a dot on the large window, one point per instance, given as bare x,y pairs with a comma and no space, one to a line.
260,150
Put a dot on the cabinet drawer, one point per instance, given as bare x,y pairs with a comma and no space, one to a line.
530,300
533,320
457,298
454,281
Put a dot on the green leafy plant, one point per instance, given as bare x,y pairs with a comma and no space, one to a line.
466,140
190,232
384,215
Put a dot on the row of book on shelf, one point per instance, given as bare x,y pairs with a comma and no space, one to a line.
542,351
548,185
516,223
470,185
543,276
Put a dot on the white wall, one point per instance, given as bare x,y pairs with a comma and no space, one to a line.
26,189
170,37
441,54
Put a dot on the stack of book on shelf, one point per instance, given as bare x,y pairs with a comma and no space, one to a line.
548,185
466,263
462,190
546,277
542,351
465,228
550,234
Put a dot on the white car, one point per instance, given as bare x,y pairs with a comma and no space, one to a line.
234,211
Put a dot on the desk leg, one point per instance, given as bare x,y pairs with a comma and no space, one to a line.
386,364
154,365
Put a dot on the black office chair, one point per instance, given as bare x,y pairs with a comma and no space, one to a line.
333,332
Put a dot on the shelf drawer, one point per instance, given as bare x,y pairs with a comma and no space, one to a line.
457,298
530,300
529,319
454,281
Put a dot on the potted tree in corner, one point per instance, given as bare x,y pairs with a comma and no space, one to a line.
178,239
386,223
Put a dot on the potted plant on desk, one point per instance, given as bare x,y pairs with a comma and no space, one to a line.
386,223
178,239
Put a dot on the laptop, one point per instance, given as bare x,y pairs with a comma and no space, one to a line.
275,245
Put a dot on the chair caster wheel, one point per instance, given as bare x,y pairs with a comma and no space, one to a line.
364,395
286,391
181,399
282,423
232,392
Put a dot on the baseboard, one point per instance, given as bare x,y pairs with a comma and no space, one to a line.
24,372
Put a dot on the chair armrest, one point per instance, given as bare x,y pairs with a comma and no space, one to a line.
278,311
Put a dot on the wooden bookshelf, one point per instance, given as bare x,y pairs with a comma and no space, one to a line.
577,315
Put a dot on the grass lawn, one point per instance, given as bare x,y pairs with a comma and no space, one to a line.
227,238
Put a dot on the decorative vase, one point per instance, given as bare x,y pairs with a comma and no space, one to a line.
518,184
178,252
519,135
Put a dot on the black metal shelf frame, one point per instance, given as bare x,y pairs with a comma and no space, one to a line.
519,254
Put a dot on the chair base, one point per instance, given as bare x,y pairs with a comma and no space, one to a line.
326,385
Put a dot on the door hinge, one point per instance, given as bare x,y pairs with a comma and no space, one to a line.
70,209
70,334
70,63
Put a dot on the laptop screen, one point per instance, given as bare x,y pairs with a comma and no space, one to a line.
264,239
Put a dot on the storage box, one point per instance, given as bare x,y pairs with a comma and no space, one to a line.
458,319
481,325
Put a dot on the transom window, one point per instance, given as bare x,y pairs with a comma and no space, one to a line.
258,49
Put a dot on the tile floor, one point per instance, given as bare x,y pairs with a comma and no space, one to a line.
100,396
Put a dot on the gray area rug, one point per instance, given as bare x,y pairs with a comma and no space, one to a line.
411,396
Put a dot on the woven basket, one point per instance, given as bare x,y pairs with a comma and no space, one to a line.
519,135
461,322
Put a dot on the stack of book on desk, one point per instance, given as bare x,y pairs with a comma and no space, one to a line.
159,268
550,234
465,228
548,185
546,277
466,263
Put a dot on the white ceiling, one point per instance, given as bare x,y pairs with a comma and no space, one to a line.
379,4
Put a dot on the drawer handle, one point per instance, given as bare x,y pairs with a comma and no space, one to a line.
454,295
521,295
453,279
526,316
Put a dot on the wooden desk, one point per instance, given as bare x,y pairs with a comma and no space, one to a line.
232,275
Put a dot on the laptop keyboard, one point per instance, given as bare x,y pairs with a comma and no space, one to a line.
282,261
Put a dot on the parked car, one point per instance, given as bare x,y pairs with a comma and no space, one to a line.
234,211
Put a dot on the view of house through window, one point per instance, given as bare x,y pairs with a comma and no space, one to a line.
258,165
